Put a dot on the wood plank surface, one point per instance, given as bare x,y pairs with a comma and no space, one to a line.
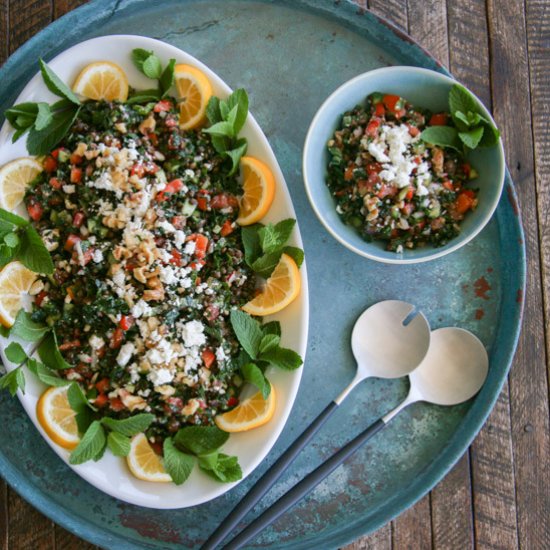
498,495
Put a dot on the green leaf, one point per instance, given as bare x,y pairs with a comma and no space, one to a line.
14,219
83,420
77,400
200,440
265,264
118,444
167,77
91,445
247,330
297,254
46,375
139,55
12,381
49,353
26,329
209,460
44,116
33,253
273,237
23,112
490,135
239,99
179,465
41,142
152,67
282,358
129,426
461,100
15,353
56,85
471,138
253,374
269,342
7,254
221,129
226,469
444,136
251,242
236,154
273,327
143,96
213,113
11,240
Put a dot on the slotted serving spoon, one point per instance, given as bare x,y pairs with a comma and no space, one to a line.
389,340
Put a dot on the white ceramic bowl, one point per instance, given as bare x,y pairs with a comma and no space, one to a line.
423,88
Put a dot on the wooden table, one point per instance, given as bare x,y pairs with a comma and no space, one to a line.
498,495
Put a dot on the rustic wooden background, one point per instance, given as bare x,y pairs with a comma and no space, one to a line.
498,495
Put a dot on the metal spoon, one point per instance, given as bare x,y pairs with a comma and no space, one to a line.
388,340
453,371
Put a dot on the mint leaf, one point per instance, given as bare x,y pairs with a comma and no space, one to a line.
139,56
471,138
273,327
221,129
209,460
91,446
167,77
444,136
213,113
490,135
200,440
77,400
49,353
11,240
143,96
226,469
273,237
152,67
265,264
14,219
129,426
56,85
12,381
26,329
41,142
247,330
251,242
282,358
179,465
118,444
33,253
15,353
253,374
297,254
44,116
45,375
461,100
236,154
22,116
239,100
269,342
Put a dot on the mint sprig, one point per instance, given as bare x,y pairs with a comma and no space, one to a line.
151,66
471,128
48,351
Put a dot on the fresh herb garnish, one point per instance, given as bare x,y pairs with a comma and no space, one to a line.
151,66
48,351
26,329
20,241
471,129
227,117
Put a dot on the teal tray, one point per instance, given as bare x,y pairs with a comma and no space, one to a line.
290,55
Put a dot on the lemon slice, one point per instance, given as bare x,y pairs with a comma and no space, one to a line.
280,289
144,463
194,91
15,176
102,80
57,418
259,190
15,281
251,413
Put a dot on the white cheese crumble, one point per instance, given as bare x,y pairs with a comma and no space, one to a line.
160,376
125,354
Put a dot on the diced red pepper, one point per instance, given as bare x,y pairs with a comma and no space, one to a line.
232,402
390,101
116,404
379,109
50,164
224,200
176,258
35,210
162,105
101,400
76,175
227,228
56,183
72,239
78,219
372,127
76,159
116,338
103,385
439,119
126,322
208,357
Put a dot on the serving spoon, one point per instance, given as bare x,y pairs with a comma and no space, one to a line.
389,340
452,372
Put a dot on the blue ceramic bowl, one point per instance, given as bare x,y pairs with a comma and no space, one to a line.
423,88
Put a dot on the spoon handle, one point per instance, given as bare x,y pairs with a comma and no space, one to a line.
301,489
267,480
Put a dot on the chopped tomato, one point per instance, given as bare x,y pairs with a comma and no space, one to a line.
391,101
87,256
448,185
224,200
102,385
55,152
175,404
40,298
379,109
101,400
126,322
375,167
372,127
78,219
76,175
201,244
410,194
35,210
413,130
227,228
197,264
137,170
202,203
116,404
208,357
116,338
170,122
76,159
386,191
72,239
232,402
439,119
348,174
172,187
56,183
162,105
464,201
408,208
176,258
178,222
50,164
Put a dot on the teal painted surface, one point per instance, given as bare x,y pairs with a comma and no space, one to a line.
290,56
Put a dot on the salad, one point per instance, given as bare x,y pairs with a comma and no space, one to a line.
152,252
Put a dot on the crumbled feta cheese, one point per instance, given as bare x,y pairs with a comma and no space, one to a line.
162,353
190,247
179,238
140,309
69,189
166,226
97,256
192,333
118,278
125,354
96,342
160,376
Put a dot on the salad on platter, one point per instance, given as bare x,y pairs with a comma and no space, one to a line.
148,270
